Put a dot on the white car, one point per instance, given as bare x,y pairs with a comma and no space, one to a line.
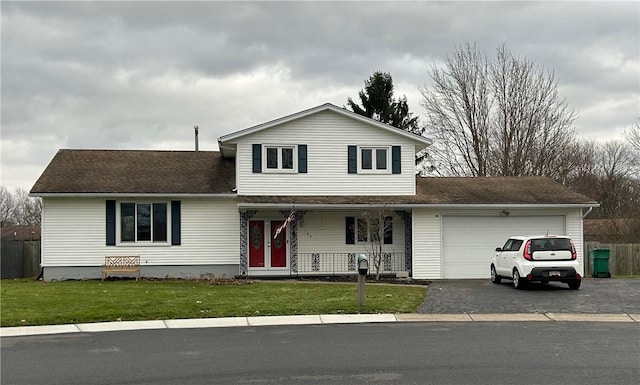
543,258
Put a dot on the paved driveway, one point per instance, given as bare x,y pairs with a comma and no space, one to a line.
606,296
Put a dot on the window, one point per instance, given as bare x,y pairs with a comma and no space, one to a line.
273,159
143,222
374,159
512,245
279,158
362,230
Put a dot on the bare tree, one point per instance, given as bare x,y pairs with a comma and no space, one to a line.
7,207
373,227
633,136
457,108
604,172
28,209
496,118
615,163
19,208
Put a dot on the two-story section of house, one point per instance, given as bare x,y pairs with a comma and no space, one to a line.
300,195
338,172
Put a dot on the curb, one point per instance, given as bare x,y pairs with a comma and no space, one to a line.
310,320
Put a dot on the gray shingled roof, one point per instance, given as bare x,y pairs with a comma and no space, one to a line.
137,172
207,172
453,191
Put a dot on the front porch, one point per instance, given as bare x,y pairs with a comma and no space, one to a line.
318,243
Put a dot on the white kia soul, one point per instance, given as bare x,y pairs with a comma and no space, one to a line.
543,258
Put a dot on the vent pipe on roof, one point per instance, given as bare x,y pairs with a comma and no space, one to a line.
195,128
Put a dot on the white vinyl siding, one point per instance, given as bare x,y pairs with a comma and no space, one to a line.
73,234
327,136
427,260
574,230
324,232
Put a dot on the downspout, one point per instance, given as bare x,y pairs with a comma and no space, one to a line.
587,213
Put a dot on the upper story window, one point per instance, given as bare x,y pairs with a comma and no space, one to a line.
268,158
279,158
143,222
374,159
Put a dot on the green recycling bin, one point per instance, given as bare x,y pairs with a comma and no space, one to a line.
600,263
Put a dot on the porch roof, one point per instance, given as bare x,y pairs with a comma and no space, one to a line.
518,191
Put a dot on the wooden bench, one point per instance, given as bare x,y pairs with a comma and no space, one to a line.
121,264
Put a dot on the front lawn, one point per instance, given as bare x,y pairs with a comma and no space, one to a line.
26,302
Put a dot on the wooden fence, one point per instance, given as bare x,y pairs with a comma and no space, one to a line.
19,259
624,258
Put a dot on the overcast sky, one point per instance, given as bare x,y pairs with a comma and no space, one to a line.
140,75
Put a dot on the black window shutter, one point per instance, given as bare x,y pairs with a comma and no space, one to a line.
350,227
395,160
352,159
388,230
175,222
257,158
111,222
302,158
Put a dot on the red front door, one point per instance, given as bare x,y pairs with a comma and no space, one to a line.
267,250
256,243
278,245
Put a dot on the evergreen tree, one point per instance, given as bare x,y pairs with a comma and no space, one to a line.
379,104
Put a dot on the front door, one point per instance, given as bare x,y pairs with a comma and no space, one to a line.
266,250
278,245
256,243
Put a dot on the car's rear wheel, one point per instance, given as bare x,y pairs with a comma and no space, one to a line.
574,285
495,278
518,282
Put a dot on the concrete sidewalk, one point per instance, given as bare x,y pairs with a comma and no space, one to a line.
310,320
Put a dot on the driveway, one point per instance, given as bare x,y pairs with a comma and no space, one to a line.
606,296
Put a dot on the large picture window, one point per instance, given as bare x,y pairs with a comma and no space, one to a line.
143,222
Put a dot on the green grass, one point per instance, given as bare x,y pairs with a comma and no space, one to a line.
26,302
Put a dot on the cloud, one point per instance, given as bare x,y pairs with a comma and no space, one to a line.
142,74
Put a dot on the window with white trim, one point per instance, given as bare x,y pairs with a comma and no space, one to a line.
279,158
143,222
374,159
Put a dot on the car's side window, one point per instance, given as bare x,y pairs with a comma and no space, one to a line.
507,246
515,245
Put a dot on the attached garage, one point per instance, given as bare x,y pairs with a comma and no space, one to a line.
468,242
459,222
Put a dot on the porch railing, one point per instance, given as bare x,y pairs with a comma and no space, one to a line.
345,263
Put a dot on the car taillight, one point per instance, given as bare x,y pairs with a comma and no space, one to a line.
527,251
574,254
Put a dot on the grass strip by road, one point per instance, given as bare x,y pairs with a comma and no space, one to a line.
27,302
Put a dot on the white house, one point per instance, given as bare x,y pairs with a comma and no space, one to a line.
194,213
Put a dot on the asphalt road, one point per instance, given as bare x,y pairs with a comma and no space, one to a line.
400,353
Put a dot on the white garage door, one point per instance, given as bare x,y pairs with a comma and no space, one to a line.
469,242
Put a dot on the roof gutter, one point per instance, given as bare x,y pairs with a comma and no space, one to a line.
129,195
410,206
